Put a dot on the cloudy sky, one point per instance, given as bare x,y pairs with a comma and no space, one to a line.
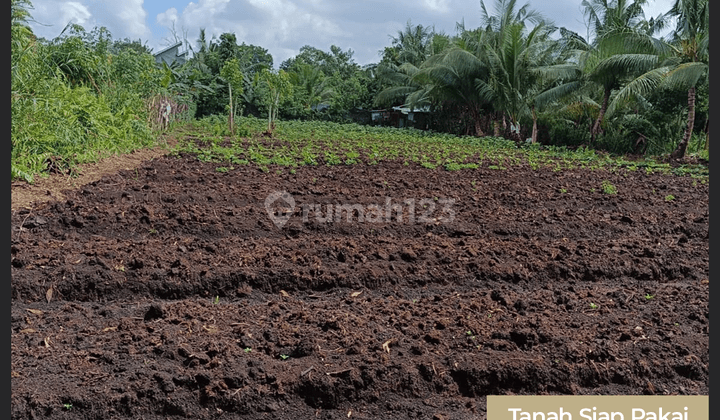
283,26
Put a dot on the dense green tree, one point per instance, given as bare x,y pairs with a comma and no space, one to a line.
202,74
227,48
336,61
253,58
310,87
332,75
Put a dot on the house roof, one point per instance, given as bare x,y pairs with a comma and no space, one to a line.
407,109
176,45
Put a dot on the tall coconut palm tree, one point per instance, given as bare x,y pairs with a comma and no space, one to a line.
459,74
623,61
412,44
692,45
506,14
500,56
514,78
605,16
400,83
489,67
410,48
622,49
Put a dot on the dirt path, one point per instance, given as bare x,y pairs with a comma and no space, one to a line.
170,292
52,187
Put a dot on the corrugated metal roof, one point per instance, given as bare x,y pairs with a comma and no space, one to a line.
177,45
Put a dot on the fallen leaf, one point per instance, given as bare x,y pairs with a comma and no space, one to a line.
355,294
35,311
27,331
47,341
109,329
284,293
49,294
386,345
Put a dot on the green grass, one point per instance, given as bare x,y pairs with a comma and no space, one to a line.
61,127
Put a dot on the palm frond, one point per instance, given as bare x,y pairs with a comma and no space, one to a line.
625,64
559,72
685,75
637,88
557,93
394,94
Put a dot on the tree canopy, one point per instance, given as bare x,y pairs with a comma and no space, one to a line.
518,75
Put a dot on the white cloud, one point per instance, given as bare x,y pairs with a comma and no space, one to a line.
74,12
288,21
437,5
134,17
167,17
284,26
206,8
280,26
124,19
207,14
52,16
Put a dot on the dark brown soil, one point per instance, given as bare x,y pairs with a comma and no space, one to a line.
168,293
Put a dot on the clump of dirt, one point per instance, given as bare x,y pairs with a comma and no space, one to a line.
385,291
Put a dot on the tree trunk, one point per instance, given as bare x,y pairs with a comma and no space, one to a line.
707,135
270,117
478,126
679,153
515,130
231,117
601,115
535,129
275,111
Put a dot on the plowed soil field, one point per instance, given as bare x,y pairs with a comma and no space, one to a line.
177,291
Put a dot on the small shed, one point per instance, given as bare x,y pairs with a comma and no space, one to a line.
389,117
416,117
402,116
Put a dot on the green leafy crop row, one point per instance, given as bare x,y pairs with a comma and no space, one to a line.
309,143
